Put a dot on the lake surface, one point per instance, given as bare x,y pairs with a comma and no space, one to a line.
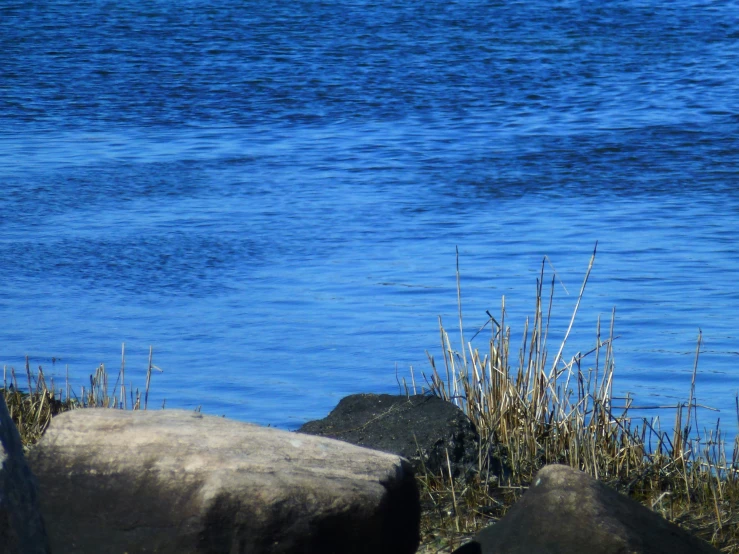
271,194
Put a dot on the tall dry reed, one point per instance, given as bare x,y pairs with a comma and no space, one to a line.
532,410
33,402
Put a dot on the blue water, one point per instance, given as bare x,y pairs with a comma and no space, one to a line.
271,193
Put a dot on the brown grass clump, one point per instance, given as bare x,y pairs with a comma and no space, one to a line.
32,409
531,411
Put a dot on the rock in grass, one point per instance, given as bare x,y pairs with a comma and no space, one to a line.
565,511
21,524
180,482
401,425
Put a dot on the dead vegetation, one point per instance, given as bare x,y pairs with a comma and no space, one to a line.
531,411
32,402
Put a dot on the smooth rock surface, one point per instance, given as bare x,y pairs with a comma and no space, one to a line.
180,482
400,425
566,511
21,524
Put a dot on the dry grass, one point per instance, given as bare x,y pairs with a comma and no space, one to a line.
32,409
531,411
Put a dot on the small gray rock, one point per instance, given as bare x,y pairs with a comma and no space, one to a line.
566,511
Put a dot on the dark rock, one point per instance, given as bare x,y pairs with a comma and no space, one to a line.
401,425
22,527
176,482
565,511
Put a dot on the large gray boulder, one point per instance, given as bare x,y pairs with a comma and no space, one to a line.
21,525
565,511
181,482
422,429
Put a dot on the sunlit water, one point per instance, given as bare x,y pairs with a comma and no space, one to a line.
271,194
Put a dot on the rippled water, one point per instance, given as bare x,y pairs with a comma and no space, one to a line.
271,194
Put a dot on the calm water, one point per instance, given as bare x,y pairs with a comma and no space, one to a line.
271,194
